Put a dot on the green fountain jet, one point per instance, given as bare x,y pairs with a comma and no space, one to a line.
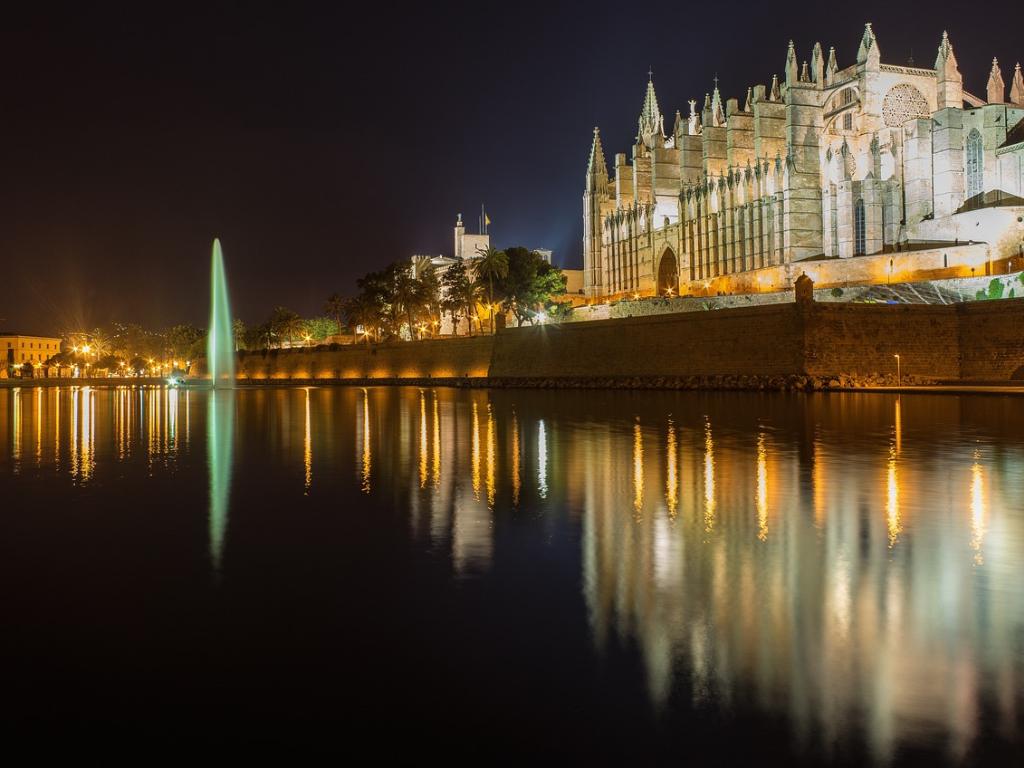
220,346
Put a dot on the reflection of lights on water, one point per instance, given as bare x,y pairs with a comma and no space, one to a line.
39,425
88,424
841,599
892,498
150,424
366,458
899,426
515,460
977,510
892,487
56,428
671,471
307,454
638,467
762,488
491,482
475,452
437,445
423,439
542,460
709,477
172,416
75,397
818,478
219,446
16,427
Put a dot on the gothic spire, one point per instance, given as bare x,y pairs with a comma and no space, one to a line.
946,60
831,68
596,165
996,86
791,65
717,113
749,105
868,52
950,82
774,94
651,122
1017,87
817,66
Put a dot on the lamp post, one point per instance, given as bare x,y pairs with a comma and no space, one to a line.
899,377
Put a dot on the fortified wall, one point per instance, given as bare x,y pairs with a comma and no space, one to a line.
780,346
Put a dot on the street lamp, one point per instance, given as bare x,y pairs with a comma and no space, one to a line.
899,377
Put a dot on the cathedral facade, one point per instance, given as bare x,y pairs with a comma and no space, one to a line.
827,164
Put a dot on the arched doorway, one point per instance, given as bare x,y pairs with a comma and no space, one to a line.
668,274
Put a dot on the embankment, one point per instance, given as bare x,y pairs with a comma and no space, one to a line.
781,346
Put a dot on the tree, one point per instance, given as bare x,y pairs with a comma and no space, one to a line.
362,311
492,266
430,293
319,328
335,308
377,290
180,340
458,295
406,295
285,325
240,334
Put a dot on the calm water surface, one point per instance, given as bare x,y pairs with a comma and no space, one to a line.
701,578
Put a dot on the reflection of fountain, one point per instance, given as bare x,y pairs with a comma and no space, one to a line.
220,426
220,354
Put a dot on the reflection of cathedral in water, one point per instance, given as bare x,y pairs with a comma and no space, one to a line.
829,580
842,558
770,561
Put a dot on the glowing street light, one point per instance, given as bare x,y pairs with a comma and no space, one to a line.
898,375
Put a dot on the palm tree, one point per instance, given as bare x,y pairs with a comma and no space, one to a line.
362,311
492,265
285,324
406,295
335,308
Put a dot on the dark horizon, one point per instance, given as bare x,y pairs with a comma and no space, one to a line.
319,146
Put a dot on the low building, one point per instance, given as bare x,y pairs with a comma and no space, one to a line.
20,348
573,281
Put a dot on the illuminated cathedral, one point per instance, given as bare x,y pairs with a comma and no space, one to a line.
866,170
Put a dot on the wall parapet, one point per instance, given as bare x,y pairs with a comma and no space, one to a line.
776,346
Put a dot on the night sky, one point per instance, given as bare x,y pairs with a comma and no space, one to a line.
320,142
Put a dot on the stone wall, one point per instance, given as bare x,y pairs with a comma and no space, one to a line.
776,346
450,358
860,340
992,340
762,341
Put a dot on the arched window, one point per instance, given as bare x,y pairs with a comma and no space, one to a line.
858,228
975,164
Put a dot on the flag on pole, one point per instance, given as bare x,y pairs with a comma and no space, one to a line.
487,220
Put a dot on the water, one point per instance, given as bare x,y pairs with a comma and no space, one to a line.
703,578
220,341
